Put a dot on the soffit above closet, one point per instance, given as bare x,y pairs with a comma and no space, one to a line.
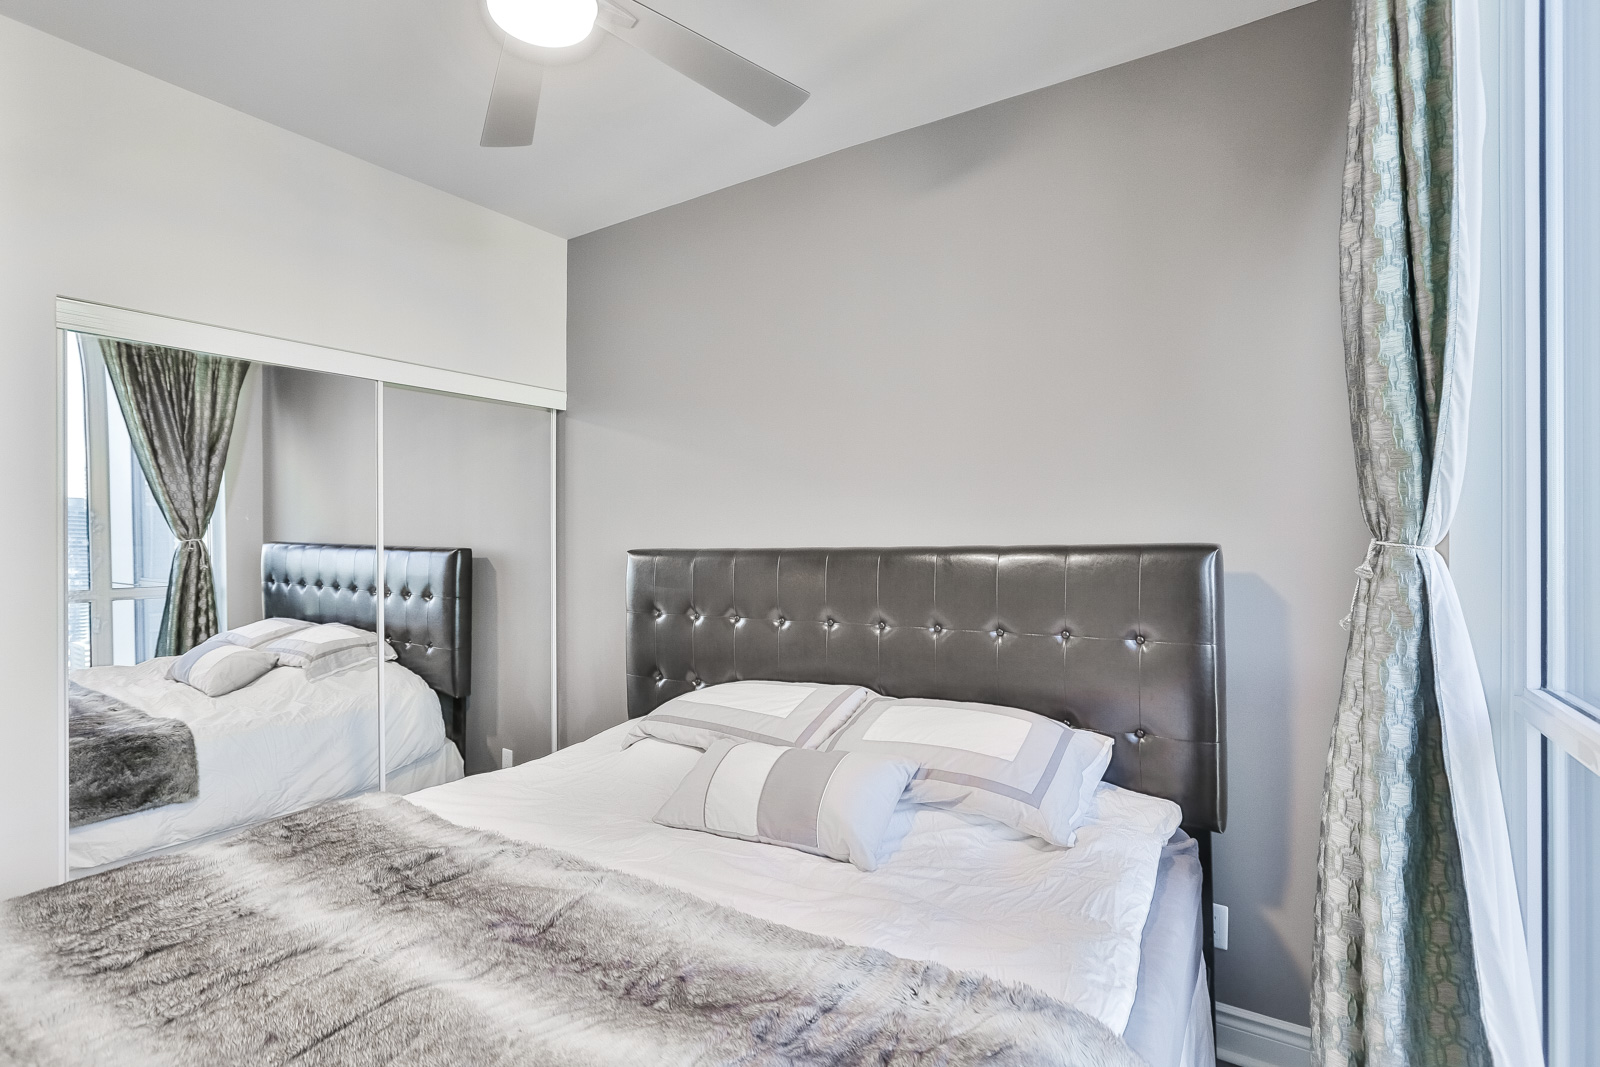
404,83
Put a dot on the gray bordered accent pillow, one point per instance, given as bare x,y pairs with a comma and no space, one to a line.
256,634
217,666
1017,768
328,649
833,804
797,714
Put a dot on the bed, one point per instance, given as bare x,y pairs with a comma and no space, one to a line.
538,914
282,743
1123,640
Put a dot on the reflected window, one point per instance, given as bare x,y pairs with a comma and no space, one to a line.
119,546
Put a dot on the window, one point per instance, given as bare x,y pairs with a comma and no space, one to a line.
1571,363
119,547
1556,673
1568,420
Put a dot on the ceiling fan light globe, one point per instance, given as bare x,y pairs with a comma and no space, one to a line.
545,23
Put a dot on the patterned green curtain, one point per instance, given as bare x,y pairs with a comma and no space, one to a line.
1419,958
179,409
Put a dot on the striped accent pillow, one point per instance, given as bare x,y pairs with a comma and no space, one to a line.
1005,764
797,714
217,666
256,634
328,649
833,804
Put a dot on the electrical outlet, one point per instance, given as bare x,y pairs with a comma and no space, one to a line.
506,760
1219,926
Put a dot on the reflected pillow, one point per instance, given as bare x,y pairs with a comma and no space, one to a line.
328,649
833,804
795,714
256,634
217,666
1005,764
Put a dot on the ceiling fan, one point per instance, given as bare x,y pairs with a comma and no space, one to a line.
543,33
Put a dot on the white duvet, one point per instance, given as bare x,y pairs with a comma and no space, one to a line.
967,894
277,745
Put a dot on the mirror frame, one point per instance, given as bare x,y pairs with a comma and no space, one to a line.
103,320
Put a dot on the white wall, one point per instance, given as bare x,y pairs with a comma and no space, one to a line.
1106,311
120,189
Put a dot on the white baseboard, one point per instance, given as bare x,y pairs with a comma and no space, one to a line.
1245,1039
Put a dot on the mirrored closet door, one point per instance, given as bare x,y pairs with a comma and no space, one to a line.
221,646
467,520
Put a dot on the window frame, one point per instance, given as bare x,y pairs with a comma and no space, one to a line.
1507,568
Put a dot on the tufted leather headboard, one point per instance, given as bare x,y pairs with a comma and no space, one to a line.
427,611
1123,639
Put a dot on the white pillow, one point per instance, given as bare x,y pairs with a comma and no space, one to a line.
256,634
794,714
217,666
833,804
1017,768
328,649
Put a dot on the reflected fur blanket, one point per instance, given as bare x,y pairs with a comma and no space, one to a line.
371,932
120,760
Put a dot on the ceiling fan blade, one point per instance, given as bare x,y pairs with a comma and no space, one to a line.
513,103
728,74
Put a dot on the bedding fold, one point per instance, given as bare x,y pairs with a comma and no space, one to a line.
371,931
121,760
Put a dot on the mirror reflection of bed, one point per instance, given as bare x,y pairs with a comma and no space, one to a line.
296,735
216,677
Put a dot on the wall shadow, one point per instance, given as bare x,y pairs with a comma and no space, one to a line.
483,709
1253,857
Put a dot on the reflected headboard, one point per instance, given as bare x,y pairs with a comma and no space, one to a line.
1122,639
427,611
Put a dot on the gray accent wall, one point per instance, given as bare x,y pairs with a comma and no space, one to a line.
466,473
1106,311
458,473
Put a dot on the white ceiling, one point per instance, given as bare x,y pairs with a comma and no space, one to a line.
404,83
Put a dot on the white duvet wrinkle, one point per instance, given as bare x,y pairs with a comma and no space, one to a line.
969,895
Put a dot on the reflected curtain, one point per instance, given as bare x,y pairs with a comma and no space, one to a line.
179,409
1419,957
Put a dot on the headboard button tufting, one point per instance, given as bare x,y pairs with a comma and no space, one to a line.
1120,598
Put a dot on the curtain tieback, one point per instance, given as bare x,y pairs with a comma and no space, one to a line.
191,540
1365,570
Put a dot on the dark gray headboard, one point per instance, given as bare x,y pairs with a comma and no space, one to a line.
1123,639
427,611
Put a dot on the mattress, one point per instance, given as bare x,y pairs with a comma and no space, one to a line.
277,745
1170,1025
957,890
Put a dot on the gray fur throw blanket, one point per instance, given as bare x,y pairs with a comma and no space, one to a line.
120,760
370,932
